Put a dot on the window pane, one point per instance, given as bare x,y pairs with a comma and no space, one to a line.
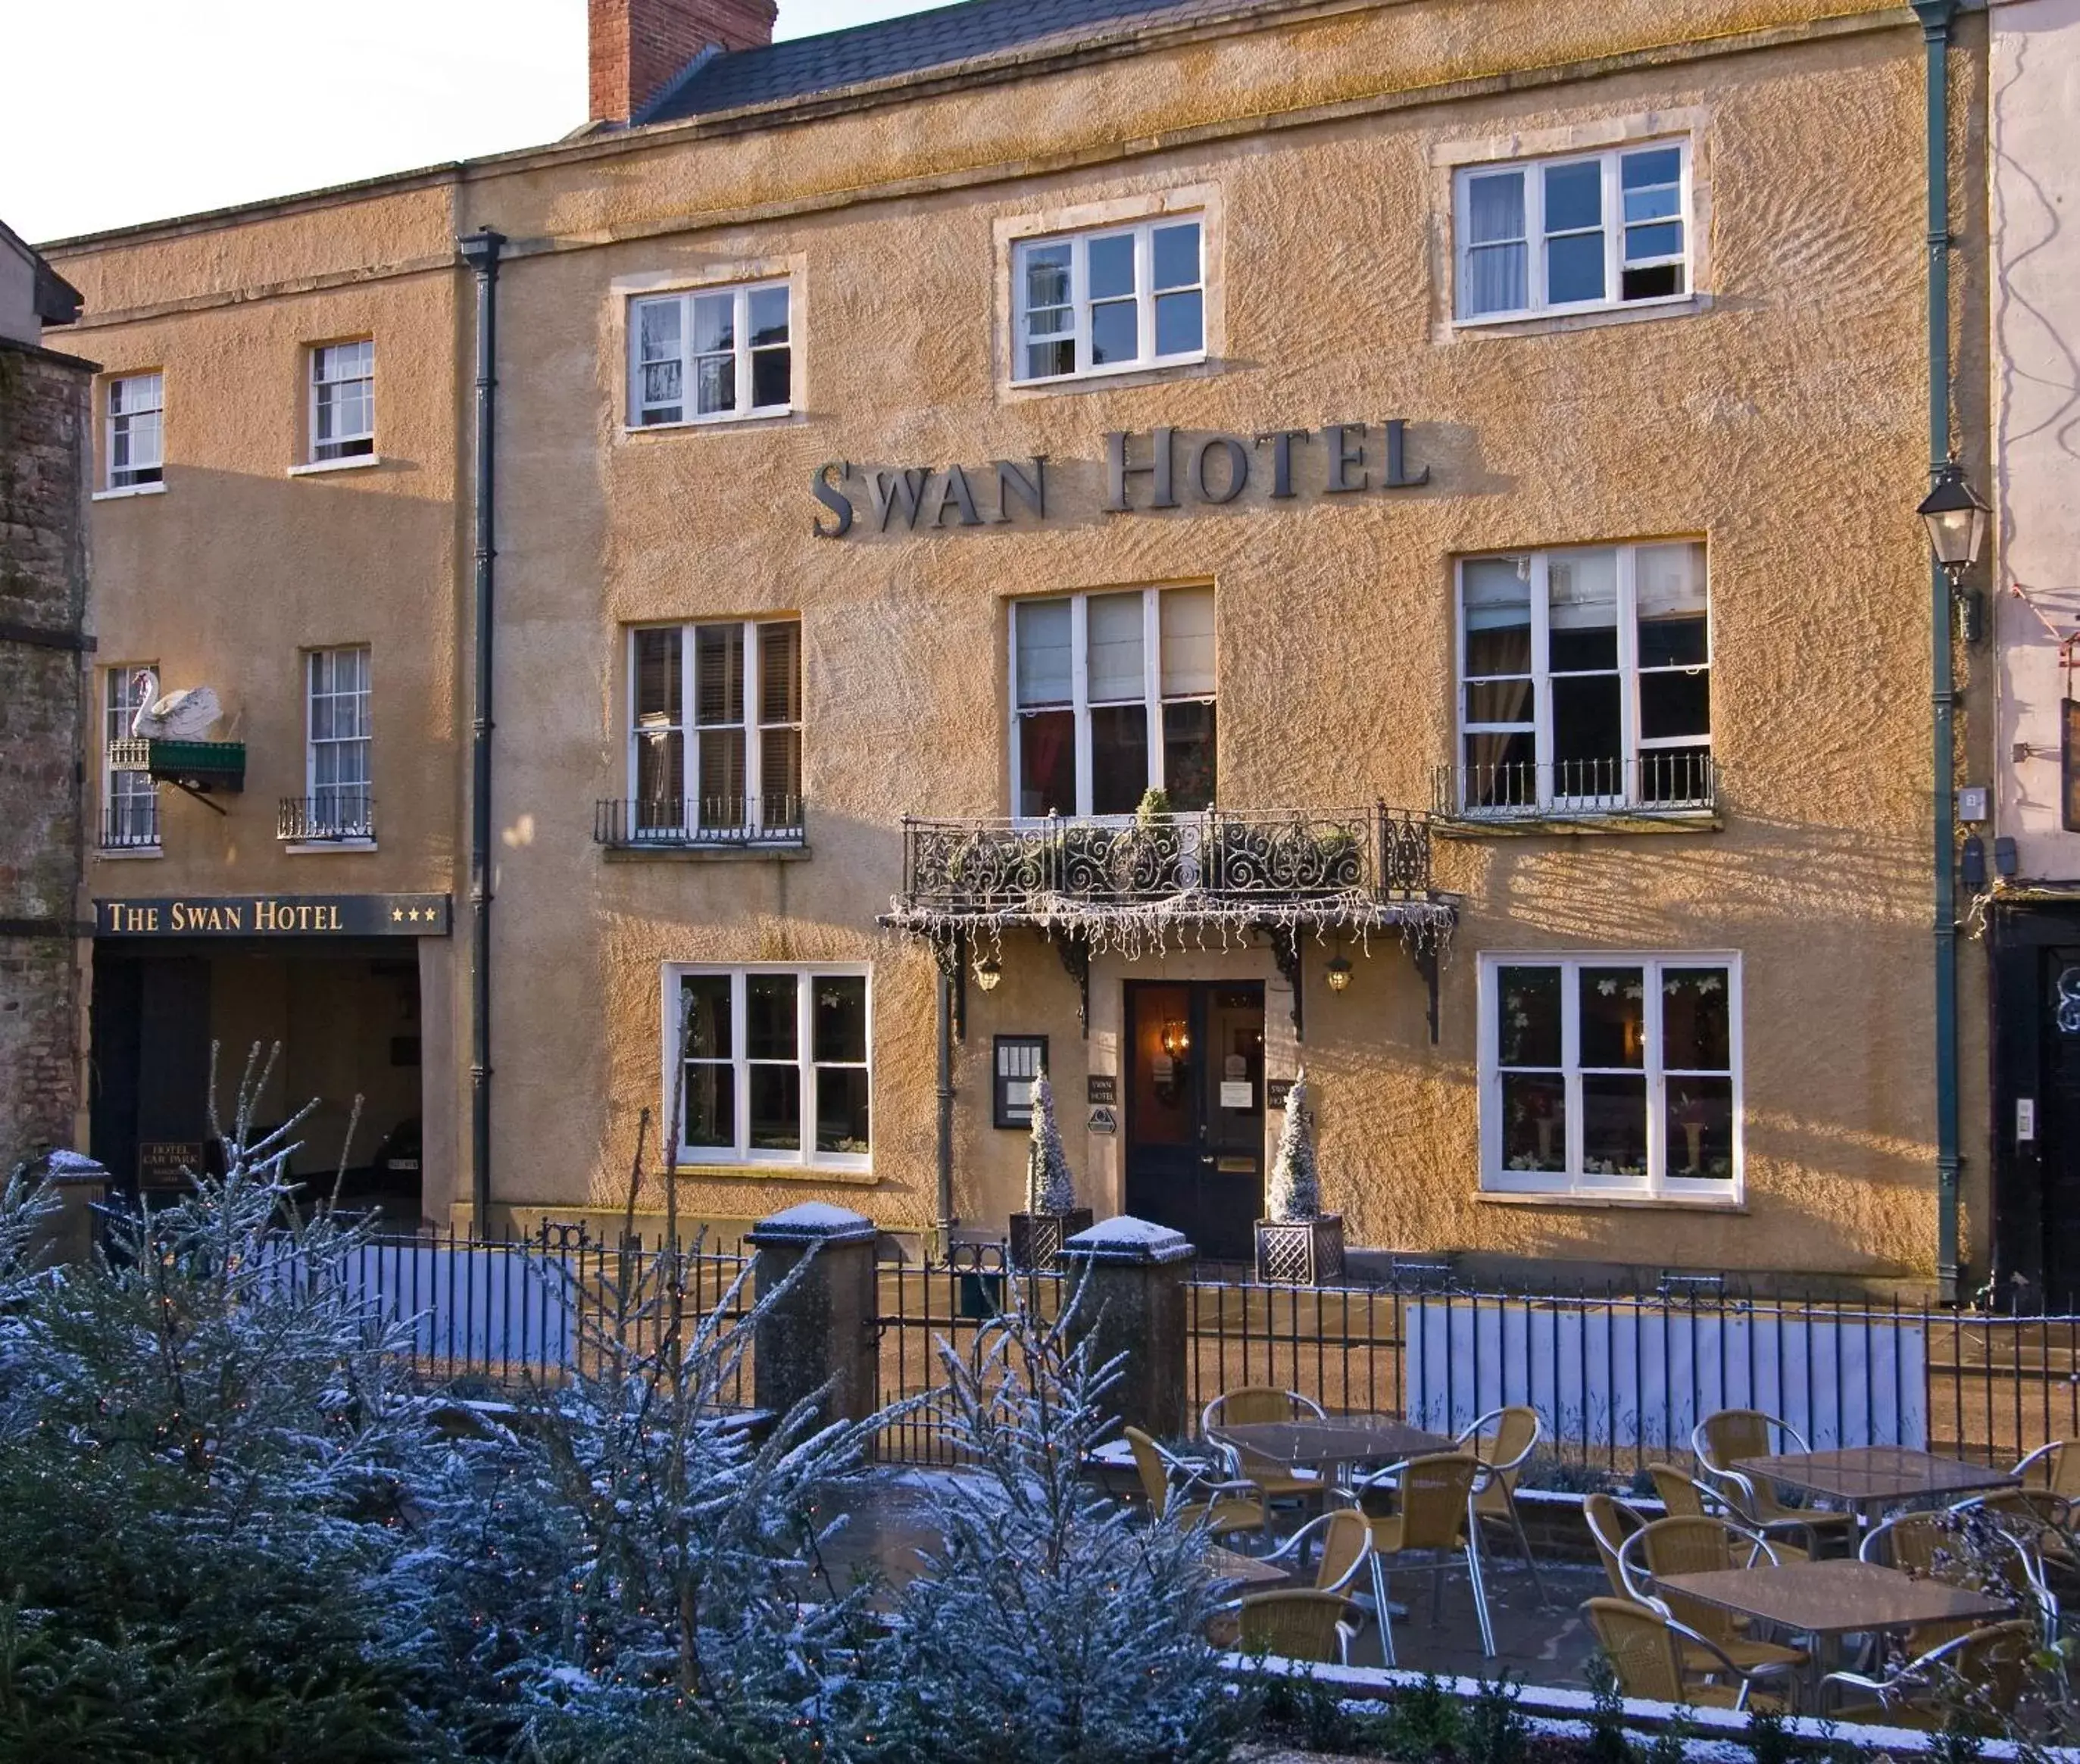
1187,755
1527,1016
1574,268
1109,269
1663,202
1114,332
1499,701
1177,256
714,322
657,324
1187,624
660,780
1047,762
1497,279
1574,196
768,317
659,678
1534,1120
1118,669
714,385
780,778
1119,758
771,385
1497,599
1664,240
1675,704
721,778
1046,276
1613,1126
1696,1029
1650,166
711,1106
1502,770
1494,208
1180,324
841,1110
718,673
1656,283
663,383
704,1001
1042,669
1675,775
771,1031
1587,737
1699,1132
1613,1017
780,671
840,1017
1045,359
1582,622
776,1108
1671,579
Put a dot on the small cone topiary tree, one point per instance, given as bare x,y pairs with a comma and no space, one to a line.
1295,1196
1048,1186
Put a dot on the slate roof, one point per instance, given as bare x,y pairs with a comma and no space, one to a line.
905,45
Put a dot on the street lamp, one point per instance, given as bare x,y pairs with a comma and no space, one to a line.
988,973
1957,521
1340,974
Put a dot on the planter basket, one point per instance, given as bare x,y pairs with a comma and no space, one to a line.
1037,1238
1306,1253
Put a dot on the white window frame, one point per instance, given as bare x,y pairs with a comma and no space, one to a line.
741,329
344,445
1632,745
1079,682
759,827
346,831
1613,229
807,1157
124,786
1574,1182
1143,232
133,476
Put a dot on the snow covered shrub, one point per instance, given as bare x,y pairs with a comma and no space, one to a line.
202,1454
1049,1188
1048,1626
1295,1193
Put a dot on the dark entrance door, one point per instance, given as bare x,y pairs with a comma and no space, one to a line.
1195,1110
2059,1131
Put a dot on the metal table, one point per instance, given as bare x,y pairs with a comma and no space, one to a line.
1231,1565
1876,1477
1334,1444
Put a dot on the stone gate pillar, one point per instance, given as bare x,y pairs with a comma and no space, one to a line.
822,1330
1128,1280
78,1184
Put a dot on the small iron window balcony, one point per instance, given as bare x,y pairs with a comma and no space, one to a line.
1680,784
697,823
337,813
131,825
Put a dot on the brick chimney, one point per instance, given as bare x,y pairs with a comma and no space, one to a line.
638,45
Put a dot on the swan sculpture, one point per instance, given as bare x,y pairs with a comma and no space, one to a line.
179,716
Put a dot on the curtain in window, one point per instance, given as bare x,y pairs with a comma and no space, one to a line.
1498,257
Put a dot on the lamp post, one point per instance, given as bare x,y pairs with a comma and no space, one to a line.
1957,521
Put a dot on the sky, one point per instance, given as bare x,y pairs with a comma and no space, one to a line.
122,111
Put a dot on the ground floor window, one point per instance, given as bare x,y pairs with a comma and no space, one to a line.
1611,1074
776,1063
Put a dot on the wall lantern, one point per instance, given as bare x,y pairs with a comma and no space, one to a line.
1957,521
1176,1039
987,972
1340,974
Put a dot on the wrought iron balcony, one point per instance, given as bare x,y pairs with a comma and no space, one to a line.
339,813
1272,859
1679,784
687,823
130,824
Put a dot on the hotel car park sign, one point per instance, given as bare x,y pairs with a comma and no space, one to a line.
1144,474
274,916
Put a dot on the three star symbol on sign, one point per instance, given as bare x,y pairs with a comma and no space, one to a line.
399,914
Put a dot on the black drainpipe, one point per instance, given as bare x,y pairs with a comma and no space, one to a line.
480,251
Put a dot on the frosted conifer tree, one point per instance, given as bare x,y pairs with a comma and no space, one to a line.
1294,1196
1048,1186
1049,1625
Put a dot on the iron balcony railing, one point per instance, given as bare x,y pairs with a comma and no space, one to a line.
340,812
1678,783
700,821
1278,856
132,824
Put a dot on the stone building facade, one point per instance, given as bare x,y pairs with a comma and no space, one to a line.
44,651
1462,453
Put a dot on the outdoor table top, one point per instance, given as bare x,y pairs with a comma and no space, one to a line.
1338,1440
1231,1565
1832,1596
1870,1475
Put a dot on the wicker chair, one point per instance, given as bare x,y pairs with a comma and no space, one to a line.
1517,1432
1249,1406
1432,1517
1926,1545
1611,1522
1694,1546
1990,1666
1654,1656
1223,1508
1345,1539
1721,1441
1683,1497
1299,1623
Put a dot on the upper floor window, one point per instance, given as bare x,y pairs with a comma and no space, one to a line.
1574,234
1585,681
1611,1074
1111,300
715,742
136,408
129,799
337,771
711,355
343,400
1112,696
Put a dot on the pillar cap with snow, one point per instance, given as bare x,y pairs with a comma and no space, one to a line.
1129,1239
63,1165
813,1221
